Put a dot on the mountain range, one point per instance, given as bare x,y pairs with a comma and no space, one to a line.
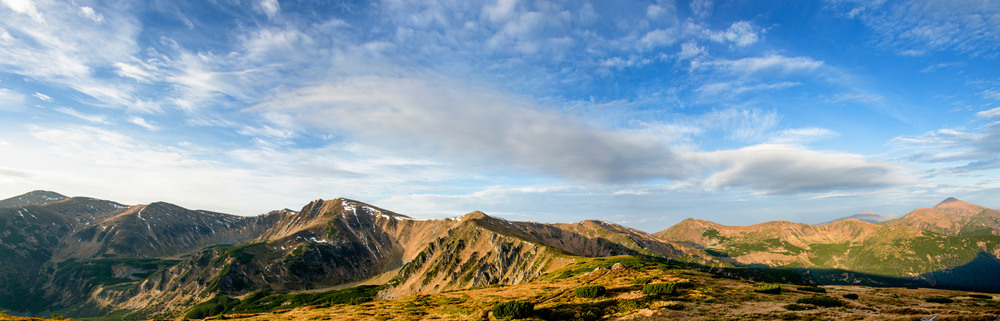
87,257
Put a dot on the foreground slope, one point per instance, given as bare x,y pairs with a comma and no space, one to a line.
699,294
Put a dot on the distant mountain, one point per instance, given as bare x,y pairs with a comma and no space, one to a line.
867,216
925,241
953,217
86,257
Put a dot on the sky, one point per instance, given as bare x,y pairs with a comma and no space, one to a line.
641,113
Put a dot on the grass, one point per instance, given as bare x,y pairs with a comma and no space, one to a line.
703,298
258,302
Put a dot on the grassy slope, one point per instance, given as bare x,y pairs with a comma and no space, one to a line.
706,296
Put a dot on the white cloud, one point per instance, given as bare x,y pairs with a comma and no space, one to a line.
423,117
502,10
990,94
744,125
270,8
60,50
732,88
989,114
772,63
89,13
25,7
784,169
43,97
132,71
701,8
798,136
918,28
856,97
741,33
88,117
141,122
691,50
660,37
11,100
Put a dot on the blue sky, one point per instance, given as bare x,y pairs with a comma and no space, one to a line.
642,113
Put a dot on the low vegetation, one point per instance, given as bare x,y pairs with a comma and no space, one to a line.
821,301
851,296
769,289
939,299
513,310
659,289
590,291
259,302
814,289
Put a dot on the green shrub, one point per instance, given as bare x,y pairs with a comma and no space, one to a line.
981,296
851,296
625,305
590,291
658,289
513,310
813,288
769,289
798,307
677,306
822,301
939,299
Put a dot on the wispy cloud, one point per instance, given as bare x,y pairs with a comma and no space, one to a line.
43,97
141,122
916,27
11,100
88,117
772,63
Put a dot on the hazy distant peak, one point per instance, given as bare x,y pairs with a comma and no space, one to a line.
866,216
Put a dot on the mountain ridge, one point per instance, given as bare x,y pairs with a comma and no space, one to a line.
88,257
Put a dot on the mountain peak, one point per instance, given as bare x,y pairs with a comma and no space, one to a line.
957,206
36,197
475,215
949,200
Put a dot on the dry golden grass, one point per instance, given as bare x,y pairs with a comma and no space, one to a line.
710,298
